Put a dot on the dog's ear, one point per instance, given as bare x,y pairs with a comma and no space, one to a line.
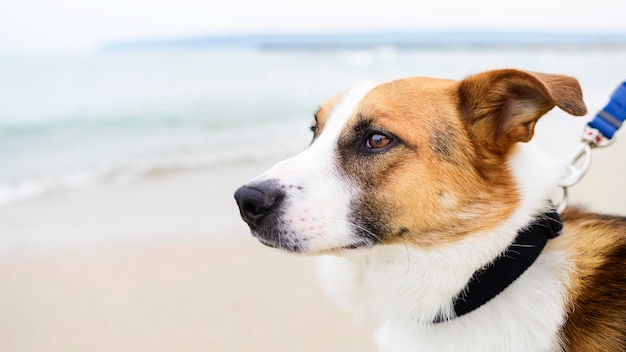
501,107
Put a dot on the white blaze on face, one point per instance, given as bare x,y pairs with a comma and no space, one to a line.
317,202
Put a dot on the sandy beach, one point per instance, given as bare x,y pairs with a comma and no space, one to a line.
165,264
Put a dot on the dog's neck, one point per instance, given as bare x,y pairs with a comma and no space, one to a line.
489,281
418,287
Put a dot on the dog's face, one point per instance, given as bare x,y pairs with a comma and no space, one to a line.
418,161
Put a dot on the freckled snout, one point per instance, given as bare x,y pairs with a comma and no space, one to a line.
257,201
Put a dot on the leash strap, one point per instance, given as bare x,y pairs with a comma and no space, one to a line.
608,120
488,282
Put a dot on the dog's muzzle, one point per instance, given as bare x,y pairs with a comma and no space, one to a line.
281,216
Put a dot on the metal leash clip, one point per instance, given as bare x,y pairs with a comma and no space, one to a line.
598,132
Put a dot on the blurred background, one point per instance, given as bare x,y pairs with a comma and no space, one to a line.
125,127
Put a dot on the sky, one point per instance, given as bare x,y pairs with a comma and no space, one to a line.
83,25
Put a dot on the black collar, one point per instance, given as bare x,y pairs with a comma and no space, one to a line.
488,282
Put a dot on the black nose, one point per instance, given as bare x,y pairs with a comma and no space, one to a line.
257,201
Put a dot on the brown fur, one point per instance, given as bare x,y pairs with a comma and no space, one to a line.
502,106
434,142
451,124
597,246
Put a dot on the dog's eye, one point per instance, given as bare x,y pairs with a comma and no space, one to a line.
377,141
313,128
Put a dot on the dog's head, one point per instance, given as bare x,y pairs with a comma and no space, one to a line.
419,161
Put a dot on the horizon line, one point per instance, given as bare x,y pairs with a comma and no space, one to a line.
373,38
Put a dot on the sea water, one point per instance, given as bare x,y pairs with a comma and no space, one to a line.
80,121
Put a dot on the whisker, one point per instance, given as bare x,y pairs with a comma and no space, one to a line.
523,245
409,259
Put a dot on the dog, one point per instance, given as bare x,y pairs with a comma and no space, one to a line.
432,218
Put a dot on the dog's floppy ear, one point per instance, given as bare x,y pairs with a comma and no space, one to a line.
501,107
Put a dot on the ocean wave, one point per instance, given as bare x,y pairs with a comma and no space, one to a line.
122,174
249,148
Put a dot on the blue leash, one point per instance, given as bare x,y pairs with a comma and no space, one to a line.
610,119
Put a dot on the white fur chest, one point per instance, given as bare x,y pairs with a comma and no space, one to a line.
391,288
